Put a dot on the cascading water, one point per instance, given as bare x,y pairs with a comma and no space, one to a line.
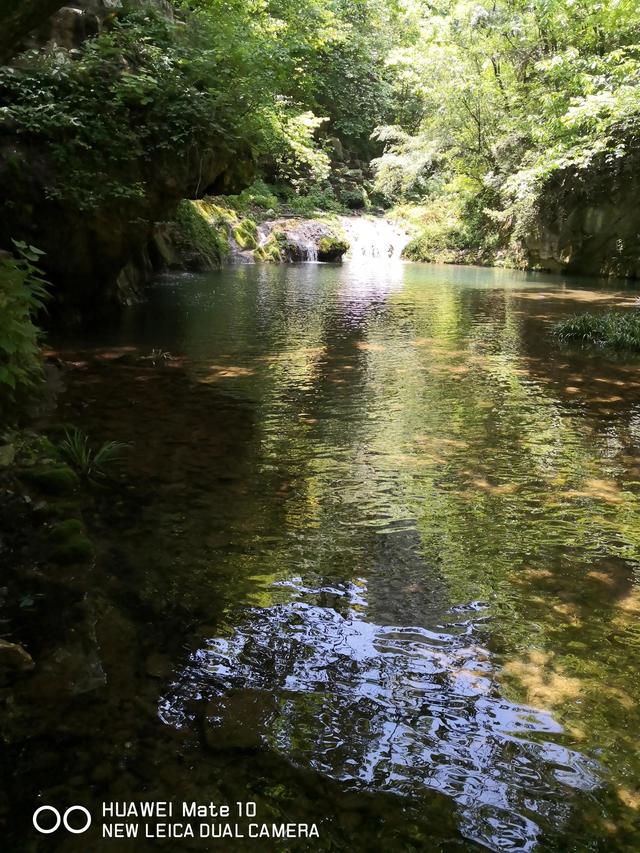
309,251
371,238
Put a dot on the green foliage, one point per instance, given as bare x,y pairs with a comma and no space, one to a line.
135,92
93,465
408,162
615,329
260,198
258,195
148,90
23,292
504,96
315,199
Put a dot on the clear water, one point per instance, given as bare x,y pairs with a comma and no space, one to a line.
376,564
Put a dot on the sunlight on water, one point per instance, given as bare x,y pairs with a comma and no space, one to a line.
386,708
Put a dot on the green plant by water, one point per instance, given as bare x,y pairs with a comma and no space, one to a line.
616,329
94,465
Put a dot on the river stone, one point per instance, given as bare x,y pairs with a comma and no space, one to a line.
14,658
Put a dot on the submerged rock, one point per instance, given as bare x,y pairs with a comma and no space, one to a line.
14,658
236,721
52,479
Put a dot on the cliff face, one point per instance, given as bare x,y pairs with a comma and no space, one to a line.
588,220
18,18
99,256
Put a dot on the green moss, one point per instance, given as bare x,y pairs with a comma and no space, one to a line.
270,253
53,480
615,329
201,236
63,531
246,234
332,247
76,549
69,542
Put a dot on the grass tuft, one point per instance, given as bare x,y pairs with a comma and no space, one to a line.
615,329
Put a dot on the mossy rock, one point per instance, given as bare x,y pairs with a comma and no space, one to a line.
63,531
52,479
76,549
201,240
332,248
246,234
270,253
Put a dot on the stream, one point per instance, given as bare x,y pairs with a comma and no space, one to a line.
375,565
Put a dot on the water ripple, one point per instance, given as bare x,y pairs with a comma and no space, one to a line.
389,708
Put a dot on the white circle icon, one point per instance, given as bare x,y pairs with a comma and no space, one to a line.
84,811
64,819
46,809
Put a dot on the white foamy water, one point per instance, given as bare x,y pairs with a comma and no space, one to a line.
373,238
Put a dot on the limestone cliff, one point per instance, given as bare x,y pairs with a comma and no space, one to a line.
588,220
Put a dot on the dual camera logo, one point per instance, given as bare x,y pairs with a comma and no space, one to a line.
46,819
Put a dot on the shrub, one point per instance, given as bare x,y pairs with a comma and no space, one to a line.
22,295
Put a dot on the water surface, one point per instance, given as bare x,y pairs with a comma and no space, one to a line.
376,561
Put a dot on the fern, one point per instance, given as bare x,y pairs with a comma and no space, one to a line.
23,292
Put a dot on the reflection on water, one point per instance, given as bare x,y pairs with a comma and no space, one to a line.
461,499
386,708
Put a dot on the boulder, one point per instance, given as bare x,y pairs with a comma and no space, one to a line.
298,240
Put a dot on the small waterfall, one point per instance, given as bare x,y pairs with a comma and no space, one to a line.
308,251
302,237
373,238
